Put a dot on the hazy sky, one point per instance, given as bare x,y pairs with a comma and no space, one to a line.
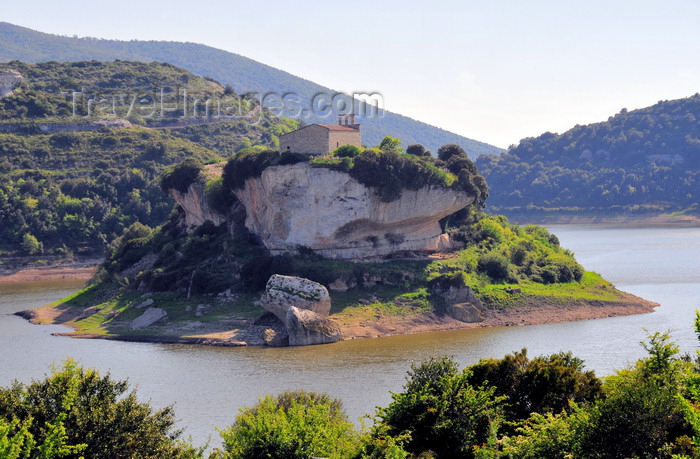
495,71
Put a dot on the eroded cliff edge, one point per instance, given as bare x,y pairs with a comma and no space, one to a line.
300,206
334,215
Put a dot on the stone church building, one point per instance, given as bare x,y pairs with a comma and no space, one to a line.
321,139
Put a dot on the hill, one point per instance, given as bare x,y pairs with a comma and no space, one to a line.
637,163
69,184
243,74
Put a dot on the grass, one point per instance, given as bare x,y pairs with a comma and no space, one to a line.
112,310
592,287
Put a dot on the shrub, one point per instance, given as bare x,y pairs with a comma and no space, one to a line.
295,424
218,196
251,163
446,152
347,151
542,385
439,414
181,176
494,265
390,145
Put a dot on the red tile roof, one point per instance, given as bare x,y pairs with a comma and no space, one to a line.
338,127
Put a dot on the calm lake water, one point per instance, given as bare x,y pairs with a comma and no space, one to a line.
209,385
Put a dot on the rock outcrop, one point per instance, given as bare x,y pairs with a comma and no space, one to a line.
9,81
302,307
461,303
336,216
196,207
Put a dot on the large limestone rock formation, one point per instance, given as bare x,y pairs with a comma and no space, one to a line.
9,80
302,306
338,217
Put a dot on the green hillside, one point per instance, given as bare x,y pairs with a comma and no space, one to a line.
243,74
65,192
641,162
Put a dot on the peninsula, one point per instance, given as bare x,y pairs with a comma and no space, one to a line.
388,243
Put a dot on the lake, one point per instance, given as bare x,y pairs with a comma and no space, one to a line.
208,385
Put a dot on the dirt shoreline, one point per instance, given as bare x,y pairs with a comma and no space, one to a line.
77,269
531,314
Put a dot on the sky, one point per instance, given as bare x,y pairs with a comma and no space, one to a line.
495,71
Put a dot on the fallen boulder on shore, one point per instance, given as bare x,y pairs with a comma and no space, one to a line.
302,306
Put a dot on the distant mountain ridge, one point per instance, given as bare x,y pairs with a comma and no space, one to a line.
242,74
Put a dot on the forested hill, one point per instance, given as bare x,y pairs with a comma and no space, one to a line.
64,192
243,74
638,162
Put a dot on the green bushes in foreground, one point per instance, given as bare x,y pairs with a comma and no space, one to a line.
515,407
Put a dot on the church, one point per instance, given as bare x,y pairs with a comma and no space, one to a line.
321,139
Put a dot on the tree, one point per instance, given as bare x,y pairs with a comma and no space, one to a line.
643,412
417,150
440,412
181,176
75,406
295,424
446,152
539,385
31,245
390,145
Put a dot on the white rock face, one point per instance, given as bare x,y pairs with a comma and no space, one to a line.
9,80
283,292
197,210
338,217
148,318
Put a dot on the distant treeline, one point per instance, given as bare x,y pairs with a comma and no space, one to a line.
647,159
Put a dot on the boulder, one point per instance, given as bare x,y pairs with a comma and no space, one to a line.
458,295
144,304
201,310
305,327
464,312
148,318
461,303
283,292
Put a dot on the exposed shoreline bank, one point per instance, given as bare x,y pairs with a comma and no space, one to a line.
535,313
73,269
